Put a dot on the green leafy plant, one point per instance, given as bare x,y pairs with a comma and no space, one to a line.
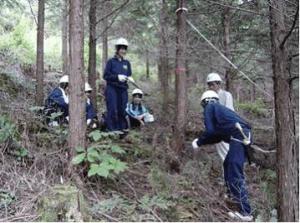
257,108
101,155
7,129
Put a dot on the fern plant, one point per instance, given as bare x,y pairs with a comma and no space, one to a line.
101,155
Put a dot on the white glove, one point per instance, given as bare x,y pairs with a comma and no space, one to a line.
122,78
68,119
194,144
131,79
88,121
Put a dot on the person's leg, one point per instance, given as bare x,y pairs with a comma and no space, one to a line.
234,176
134,123
222,149
122,103
111,105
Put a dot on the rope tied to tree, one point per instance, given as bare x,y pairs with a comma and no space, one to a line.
228,60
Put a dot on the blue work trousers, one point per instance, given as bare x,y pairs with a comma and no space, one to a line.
234,174
116,101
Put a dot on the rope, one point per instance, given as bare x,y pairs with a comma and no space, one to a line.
229,61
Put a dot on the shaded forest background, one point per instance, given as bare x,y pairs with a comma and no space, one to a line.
145,184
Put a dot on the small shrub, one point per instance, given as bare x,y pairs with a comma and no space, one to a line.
100,156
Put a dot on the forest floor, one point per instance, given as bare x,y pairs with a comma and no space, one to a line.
33,164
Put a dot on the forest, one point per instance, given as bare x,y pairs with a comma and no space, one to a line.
163,111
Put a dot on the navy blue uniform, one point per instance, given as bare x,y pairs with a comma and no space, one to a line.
220,126
56,102
116,93
90,111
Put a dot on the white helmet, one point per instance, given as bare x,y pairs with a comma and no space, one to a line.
137,91
64,79
87,87
209,95
213,77
122,41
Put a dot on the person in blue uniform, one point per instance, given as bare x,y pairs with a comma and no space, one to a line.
58,101
221,125
91,116
137,114
117,72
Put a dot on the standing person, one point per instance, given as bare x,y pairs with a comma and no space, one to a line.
221,125
214,82
58,101
91,116
116,74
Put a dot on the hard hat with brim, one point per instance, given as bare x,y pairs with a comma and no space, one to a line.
122,42
213,77
137,91
87,87
64,79
209,94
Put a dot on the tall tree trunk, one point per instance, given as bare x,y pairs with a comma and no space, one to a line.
77,99
287,150
226,25
65,41
40,54
147,64
163,63
104,36
92,51
180,80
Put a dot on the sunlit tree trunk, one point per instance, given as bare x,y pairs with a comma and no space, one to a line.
180,80
40,54
286,144
77,99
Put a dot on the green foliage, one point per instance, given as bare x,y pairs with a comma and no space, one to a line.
7,129
258,108
160,202
100,156
160,180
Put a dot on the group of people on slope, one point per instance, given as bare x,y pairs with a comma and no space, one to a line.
223,126
120,115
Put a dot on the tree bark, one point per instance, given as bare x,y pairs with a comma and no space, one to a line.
180,80
92,51
77,100
65,41
147,64
163,64
104,36
286,144
40,54
226,25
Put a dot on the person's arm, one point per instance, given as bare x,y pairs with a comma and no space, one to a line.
58,98
129,111
108,75
229,101
209,136
129,69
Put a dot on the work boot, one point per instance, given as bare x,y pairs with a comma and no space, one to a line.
238,216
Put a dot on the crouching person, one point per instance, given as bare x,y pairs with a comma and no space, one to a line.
223,124
91,116
137,114
58,102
